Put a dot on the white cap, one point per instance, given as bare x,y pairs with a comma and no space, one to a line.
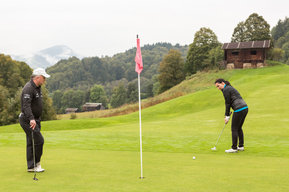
40,71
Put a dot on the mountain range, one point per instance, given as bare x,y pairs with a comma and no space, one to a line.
47,57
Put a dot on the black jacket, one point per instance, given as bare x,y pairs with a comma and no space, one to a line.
31,101
232,99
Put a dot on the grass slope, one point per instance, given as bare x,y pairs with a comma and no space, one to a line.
102,154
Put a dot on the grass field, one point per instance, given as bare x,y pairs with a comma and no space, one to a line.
102,154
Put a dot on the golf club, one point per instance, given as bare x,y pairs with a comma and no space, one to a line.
33,148
214,148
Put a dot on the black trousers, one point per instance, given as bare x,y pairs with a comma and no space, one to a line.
38,141
236,127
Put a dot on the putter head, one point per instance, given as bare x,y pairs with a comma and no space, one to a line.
214,149
34,178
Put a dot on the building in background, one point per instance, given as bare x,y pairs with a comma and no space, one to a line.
92,107
239,55
71,110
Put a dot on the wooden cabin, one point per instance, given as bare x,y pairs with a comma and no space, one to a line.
241,55
71,110
92,107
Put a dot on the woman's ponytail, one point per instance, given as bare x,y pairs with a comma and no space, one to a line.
222,80
227,83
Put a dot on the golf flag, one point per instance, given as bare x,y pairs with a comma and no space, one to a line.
138,58
138,69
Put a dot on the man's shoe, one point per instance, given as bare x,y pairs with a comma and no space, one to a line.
241,149
231,151
30,170
38,168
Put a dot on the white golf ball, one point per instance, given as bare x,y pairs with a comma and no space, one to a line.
194,157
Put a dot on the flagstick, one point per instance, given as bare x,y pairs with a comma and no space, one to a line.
140,135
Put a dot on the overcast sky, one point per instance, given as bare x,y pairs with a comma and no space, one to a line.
107,27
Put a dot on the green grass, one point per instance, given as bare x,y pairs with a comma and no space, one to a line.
103,154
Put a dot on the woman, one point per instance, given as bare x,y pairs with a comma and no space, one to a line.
233,99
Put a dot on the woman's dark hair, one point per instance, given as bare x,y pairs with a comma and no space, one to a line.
221,81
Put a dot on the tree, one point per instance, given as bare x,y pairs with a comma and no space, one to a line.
280,29
72,98
204,40
118,97
4,106
25,71
14,106
285,47
276,54
156,85
57,102
98,95
149,90
215,56
239,34
253,29
132,92
280,34
146,87
171,70
13,76
48,112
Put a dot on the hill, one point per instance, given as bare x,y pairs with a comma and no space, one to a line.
82,74
102,154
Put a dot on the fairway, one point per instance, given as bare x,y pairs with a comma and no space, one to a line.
102,154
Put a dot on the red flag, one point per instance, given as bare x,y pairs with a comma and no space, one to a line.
138,58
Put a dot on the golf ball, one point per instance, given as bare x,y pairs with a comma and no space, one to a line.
194,157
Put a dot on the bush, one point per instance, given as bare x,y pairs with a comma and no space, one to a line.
273,63
73,116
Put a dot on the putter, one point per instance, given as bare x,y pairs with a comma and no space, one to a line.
214,148
33,148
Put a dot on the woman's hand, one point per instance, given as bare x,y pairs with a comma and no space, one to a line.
227,118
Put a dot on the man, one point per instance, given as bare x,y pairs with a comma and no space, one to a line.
30,117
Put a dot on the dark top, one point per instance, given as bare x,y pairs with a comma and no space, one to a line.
232,99
31,101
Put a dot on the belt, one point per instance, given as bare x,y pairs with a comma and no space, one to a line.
238,110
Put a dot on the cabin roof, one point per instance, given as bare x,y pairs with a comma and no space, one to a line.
71,109
247,45
92,104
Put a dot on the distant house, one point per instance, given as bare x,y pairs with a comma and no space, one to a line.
250,54
92,106
71,110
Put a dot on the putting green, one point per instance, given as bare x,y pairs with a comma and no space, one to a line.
93,170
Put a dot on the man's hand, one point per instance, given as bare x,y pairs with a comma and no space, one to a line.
32,124
227,118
